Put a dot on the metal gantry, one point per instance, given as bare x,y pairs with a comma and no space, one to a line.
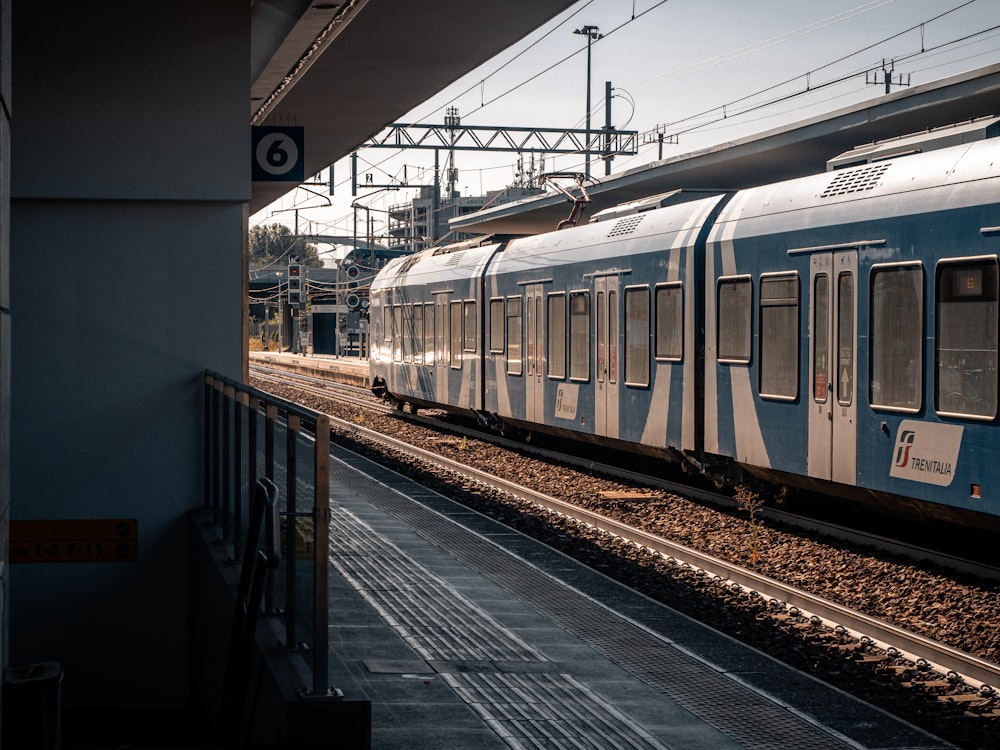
498,138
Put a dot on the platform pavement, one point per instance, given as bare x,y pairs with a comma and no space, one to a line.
466,634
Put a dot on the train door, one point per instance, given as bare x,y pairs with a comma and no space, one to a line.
442,357
833,367
606,343
534,362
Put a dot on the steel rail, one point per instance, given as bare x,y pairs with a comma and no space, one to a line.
972,669
321,387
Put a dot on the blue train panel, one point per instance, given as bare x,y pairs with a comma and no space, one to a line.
851,329
837,332
593,331
425,326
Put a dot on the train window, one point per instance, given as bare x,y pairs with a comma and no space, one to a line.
602,336
514,332
418,333
407,333
821,338
557,336
669,321
895,337
845,339
397,323
612,336
496,325
387,324
457,334
966,336
734,319
470,323
779,336
429,333
579,335
637,336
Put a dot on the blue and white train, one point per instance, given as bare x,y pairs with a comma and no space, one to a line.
837,332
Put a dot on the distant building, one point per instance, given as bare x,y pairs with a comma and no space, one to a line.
419,224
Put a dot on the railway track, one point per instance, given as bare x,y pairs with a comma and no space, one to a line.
932,680
363,399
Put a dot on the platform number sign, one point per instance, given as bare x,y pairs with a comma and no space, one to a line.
278,154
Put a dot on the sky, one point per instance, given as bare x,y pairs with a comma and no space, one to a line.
704,71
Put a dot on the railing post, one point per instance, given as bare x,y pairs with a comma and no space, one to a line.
239,404
270,417
209,440
227,469
291,529
321,559
253,406
216,450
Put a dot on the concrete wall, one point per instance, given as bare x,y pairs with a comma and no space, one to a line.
130,179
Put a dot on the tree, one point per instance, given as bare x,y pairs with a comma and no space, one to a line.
275,243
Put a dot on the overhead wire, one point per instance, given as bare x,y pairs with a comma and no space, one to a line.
808,75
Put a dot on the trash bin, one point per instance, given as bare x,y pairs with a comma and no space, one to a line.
31,707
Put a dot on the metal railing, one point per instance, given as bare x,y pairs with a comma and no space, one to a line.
243,428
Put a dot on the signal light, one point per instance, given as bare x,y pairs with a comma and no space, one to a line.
294,284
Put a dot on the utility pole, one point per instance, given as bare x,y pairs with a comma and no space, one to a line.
607,128
591,32
871,76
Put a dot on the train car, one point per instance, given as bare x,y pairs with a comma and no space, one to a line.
837,332
851,331
425,316
592,331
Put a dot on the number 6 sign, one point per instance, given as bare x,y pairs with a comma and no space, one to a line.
278,154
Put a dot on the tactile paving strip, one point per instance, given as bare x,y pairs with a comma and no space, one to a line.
519,708
431,616
717,699
525,710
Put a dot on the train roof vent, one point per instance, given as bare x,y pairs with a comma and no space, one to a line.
626,225
455,258
855,180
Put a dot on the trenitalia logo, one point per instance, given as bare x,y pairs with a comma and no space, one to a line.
926,452
903,445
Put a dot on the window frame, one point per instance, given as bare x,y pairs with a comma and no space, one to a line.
764,338
941,266
629,293
574,343
407,333
741,279
470,326
679,285
417,319
456,334
875,342
550,339
514,366
397,323
428,333
498,320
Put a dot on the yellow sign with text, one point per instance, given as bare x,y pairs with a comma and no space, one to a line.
81,540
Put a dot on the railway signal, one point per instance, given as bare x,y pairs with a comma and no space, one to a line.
294,284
